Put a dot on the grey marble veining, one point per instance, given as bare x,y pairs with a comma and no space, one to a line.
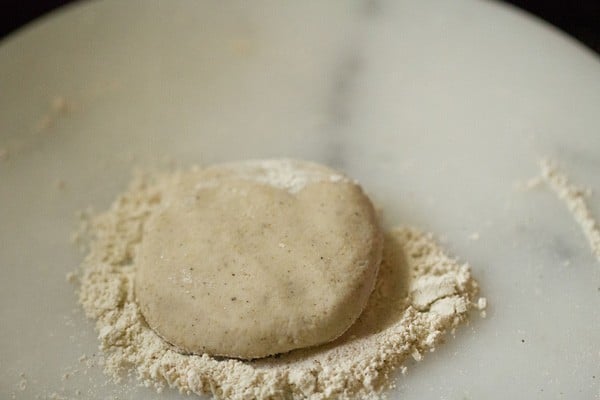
342,94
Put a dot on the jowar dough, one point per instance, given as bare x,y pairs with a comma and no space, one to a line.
257,258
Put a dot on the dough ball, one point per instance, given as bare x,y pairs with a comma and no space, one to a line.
256,258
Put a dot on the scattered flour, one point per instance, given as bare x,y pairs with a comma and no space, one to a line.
420,295
71,277
22,382
575,200
59,106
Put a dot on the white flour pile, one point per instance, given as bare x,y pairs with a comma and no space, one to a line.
421,294
575,200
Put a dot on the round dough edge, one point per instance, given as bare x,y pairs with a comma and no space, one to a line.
256,258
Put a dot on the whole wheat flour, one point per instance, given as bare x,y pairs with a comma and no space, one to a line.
574,199
420,295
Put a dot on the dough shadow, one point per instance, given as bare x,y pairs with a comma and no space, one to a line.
390,295
385,307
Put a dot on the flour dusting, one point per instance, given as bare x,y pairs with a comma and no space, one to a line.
574,198
420,295
286,174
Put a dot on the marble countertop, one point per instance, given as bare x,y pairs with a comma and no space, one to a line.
438,108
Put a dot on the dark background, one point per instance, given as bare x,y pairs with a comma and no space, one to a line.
580,19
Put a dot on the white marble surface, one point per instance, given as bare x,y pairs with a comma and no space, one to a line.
437,107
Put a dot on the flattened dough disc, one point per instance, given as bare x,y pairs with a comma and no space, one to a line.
256,258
